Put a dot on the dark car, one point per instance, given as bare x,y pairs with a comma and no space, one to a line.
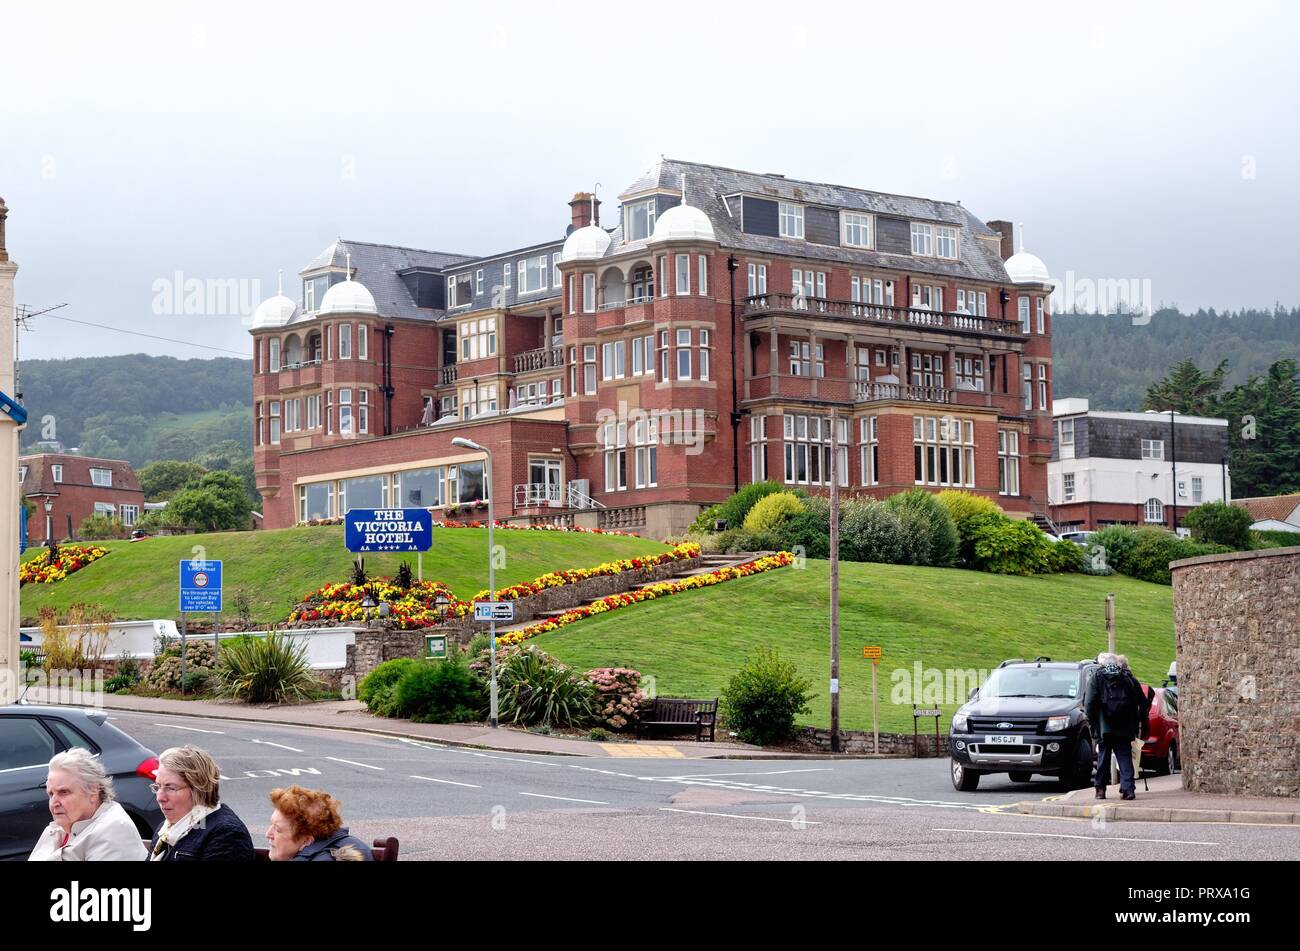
1027,719
30,734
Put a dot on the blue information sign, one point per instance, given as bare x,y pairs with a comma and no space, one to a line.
200,585
388,530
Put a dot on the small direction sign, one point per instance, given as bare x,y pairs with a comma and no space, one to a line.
435,645
200,585
494,610
932,712
871,653
388,530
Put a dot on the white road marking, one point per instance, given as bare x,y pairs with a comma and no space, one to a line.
593,802
775,772
729,815
734,785
1094,838
448,782
354,763
420,743
291,749
192,729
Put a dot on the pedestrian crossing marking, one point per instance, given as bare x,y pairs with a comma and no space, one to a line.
628,749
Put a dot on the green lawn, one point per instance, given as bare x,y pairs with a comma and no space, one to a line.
944,618
138,580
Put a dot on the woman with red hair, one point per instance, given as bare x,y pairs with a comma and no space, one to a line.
307,826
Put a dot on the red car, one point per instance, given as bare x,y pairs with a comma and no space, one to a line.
1160,749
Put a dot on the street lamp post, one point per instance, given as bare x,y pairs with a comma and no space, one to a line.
464,443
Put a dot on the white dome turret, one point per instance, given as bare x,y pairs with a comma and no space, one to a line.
347,297
586,244
683,223
274,312
1026,268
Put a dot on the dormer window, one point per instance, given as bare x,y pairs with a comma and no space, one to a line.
855,230
791,219
945,242
460,291
308,295
56,473
922,239
101,477
532,274
639,220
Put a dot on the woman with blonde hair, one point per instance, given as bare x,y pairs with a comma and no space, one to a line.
89,824
307,826
196,826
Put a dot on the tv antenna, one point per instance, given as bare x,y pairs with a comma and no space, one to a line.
22,320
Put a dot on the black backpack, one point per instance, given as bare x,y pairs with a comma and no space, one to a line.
1116,705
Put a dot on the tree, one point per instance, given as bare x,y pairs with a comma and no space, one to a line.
217,502
161,480
1220,523
1264,431
1185,389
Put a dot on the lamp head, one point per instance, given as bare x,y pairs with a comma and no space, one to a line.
464,443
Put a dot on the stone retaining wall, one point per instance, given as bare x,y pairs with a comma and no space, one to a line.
861,741
1237,618
378,644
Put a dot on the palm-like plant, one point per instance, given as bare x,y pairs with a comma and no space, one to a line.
534,688
270,669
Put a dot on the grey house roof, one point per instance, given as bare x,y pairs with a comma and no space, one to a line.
378,267
707,184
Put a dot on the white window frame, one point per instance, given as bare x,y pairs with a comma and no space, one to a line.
683,353
1023,306
854,223
790,220
1153,512
757,279
363,342
628,212
807,442
363,411
275,423
704,354
1153,449
555,270
682,266
1042,386
56,472
274,348
1067,487
589,368
97,473
869,439
573,293
345,412
589,293
703,284
1008,462
946,239
1067,432
1027,385
345,341
757,448
922,239
1198,490
1041,324
506,282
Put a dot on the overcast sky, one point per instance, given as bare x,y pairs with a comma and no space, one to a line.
1155,141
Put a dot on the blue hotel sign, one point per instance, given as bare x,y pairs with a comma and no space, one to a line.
388,530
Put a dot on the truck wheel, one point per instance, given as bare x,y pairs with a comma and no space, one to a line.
1078,774
964,778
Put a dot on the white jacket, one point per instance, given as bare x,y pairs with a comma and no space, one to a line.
107,836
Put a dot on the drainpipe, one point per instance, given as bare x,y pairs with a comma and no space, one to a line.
388,379
735,409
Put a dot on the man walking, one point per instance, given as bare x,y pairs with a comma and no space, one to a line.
1113,706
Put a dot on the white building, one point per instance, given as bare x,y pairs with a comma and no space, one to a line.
1133,468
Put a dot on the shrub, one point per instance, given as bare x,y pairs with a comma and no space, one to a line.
1145,553
929,535
376,688
737,507
762,699
769,512
195,681
535,688
441,691
1008,546
118,682
1274,539
1219,523
619,697
871,531
479,643
962,505
598,734
97,527
270,669
1116,543
705,521
1066,556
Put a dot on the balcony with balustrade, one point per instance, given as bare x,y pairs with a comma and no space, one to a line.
543,358
880,316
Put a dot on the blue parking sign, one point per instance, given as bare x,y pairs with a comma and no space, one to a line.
200,585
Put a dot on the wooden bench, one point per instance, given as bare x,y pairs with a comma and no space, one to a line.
384,850
678,714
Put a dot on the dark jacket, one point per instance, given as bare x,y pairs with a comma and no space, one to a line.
1125,725
322,849
223,838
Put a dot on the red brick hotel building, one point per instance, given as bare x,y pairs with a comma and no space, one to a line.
626,376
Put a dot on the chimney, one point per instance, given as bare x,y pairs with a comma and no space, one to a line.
1007,232
4,213
581,207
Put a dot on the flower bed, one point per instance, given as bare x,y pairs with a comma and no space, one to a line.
67,559
661,590
415,607
411,608
556,579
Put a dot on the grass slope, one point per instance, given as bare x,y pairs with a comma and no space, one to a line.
944,618
139,580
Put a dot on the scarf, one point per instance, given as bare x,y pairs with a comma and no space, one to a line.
169,834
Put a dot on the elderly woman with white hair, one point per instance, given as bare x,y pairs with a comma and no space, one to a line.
89,824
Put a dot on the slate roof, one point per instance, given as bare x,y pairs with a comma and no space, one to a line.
76,472
377,266
707,184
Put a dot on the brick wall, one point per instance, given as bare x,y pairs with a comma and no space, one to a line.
1237,618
